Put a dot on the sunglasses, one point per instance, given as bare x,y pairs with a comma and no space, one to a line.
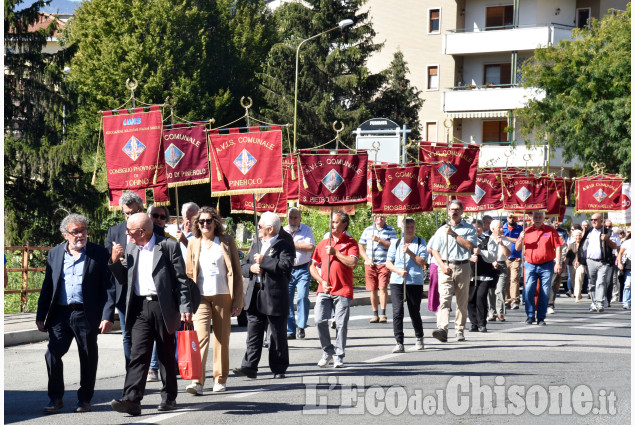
161,216
594,219
205,221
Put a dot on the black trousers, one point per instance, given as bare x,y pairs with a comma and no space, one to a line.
257,324
149,327
414,294
66,325
477,304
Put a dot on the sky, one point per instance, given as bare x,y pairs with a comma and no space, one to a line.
62,6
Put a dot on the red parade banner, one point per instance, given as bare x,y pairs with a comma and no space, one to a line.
332,178
292,179
246,163
598,194
398,189
453,168
134,158
488,192
439,202
186,157
524,192
274,202
558,192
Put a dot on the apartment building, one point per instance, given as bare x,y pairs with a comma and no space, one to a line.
466,57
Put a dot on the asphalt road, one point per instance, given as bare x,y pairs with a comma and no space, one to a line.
575,370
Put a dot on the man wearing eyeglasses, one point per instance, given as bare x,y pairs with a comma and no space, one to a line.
77,300
268,266
157,300
130,203
189,210
597,245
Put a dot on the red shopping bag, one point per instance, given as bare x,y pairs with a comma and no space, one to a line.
189,354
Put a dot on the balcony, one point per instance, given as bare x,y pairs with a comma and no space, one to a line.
489,40
487,98
536,155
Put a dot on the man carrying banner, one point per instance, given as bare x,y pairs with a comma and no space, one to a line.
543,245
512,292
333,262
377,237
452,247
300,276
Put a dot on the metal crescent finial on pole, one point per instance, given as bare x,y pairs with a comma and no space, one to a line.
508,153
447,130
527,158
337,133
132,86
243,104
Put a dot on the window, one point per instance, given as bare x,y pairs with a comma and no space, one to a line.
431,131
433,78
582,18
499,17
494,131
434,21
497,74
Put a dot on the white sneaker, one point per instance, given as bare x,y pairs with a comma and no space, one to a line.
460,336
592,307
194,388
338,362
219,388
152,376
550,310
325,360
398,349
419,344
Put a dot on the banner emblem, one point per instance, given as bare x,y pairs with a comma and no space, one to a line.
173,155
478,194
134,148
332,180
401,191
600,195
244,161
523,194
447,170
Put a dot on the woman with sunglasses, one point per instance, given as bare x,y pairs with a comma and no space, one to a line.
212,262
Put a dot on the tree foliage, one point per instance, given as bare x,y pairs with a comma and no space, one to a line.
587,81
333,80
397,99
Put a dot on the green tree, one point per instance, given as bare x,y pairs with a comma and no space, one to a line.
334,82
397,99
587,84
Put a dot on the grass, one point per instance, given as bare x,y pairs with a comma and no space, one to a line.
14,260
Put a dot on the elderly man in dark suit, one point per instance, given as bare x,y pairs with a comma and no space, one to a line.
268,267
157,300
77,301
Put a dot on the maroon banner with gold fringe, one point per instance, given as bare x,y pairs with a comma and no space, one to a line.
274,202
186,158
332,178
400,189
246,163
524,192
292,179
488,192
452,168
598,194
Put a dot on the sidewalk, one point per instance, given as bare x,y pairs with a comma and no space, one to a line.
19,328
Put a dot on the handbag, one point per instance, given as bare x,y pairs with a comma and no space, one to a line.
190,366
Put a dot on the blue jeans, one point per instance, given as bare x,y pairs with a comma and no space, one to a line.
626,297
154,361
533,272
127,338
300,278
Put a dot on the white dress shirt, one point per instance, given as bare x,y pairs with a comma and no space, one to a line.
145,283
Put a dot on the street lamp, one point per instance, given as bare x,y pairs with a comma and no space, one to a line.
342,24
67,70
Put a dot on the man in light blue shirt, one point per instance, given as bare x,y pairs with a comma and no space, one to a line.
452,248
406,259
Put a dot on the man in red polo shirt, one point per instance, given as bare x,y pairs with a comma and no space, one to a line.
335,287
542,245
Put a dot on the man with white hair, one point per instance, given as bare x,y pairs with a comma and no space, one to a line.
268,267
496,295
188,212
543,245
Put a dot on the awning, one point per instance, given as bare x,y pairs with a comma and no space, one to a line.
478,114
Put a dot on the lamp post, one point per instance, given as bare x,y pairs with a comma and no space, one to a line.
341,25
67,70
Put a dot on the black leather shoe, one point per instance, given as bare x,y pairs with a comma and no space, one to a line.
473,328
54,406
482,329
241,371
440,334
82,407
279,376
167,405
125,406
301,333
290,336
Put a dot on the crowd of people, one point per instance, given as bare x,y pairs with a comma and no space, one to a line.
157,282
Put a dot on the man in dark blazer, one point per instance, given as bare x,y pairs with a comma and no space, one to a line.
268,267
77,301
157,300
130,203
